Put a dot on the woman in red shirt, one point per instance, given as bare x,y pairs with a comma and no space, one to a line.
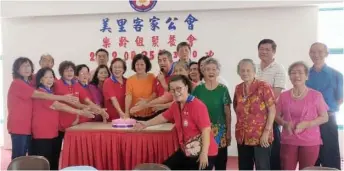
19,105
198,147
45,119
114,89
68,85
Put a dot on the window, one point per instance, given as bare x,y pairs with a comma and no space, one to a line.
331,32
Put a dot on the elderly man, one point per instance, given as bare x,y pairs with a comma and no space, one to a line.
330,83
274,74
46,60
102,58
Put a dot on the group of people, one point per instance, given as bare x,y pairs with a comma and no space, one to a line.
190,95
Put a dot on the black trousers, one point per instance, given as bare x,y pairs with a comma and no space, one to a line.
275,160
221,159
250,156
59,141
47,148
329,155
178,161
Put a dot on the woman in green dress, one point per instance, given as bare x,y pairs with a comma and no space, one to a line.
217,99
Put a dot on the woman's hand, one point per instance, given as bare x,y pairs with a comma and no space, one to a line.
229,136
139,126
141,102
203,160
70,99
87,113
264,139
136,109
301,126
288,126
158,107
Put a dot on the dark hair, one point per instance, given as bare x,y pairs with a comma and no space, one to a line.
79,68
183,44
167,53
102,50
182,78
298,63
199,65
196,63
64,65
268,41
16,65
95,80
120,60
145,59
40,74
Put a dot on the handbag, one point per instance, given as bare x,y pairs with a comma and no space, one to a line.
193,147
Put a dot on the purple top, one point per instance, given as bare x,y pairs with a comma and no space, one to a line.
96,95
296,111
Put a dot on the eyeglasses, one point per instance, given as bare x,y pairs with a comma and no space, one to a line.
178,89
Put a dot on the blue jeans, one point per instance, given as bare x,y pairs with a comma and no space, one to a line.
20,145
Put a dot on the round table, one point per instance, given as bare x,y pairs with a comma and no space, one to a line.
106,148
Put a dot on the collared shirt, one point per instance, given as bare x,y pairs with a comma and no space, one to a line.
274,74
19,106
190,121
157,87
330,83
113,88
62,88
45,120
252,112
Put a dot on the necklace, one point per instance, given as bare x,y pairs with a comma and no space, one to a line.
301,94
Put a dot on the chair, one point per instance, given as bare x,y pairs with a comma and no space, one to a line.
79,168
151,166
29,163
319,168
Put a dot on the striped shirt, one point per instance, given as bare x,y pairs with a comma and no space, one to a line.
274,74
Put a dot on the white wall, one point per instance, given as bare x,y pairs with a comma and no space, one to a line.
63,7
233,38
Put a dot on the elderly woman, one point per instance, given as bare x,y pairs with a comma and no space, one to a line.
216,97
114,89
198,148
194,74
139,88
20,104
300,110
255,109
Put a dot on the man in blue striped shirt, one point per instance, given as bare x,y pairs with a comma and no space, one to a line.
330,83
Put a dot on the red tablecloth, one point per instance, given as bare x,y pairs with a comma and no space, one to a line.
110,149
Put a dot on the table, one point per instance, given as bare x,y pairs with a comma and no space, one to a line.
106,148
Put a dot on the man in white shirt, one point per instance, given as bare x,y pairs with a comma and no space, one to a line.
273,73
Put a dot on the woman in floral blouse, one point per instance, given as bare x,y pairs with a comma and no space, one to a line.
255,109
216,97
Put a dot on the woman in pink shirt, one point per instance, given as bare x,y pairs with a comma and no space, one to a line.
300,111
198,148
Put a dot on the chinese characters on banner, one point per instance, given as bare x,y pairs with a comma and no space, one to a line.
155,24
